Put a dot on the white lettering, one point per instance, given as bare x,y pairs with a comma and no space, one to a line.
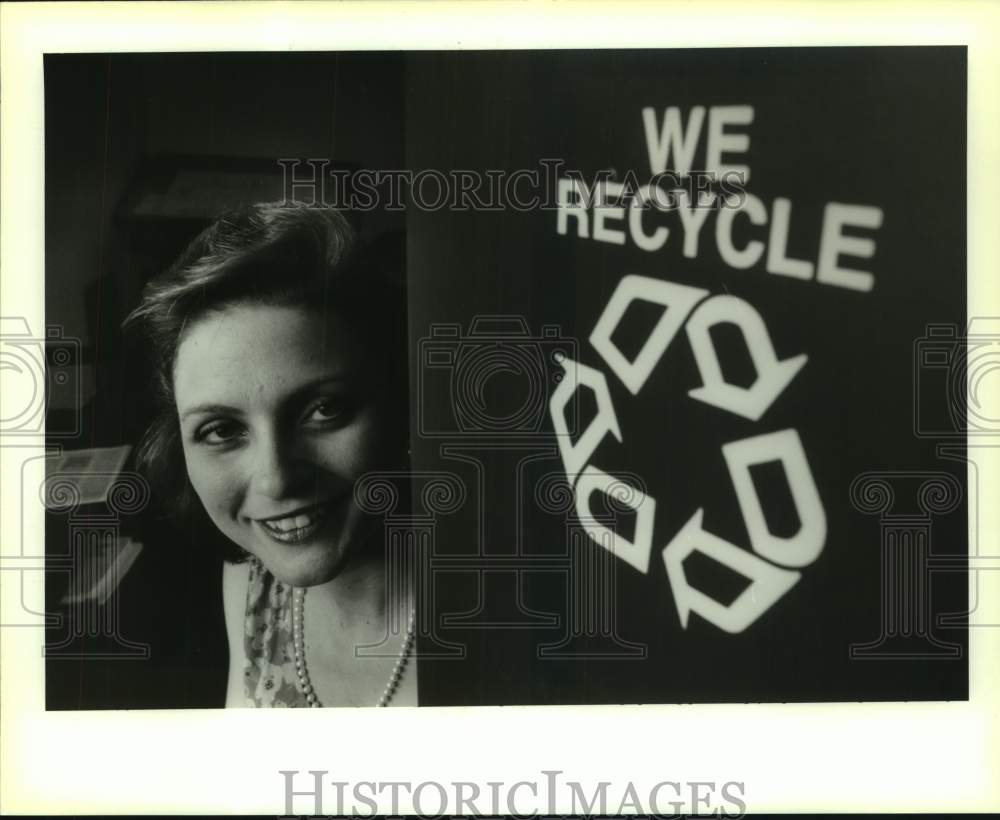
747,257
692,219
572,198
671,136
648,242
833,243
604,212
719,116
777,245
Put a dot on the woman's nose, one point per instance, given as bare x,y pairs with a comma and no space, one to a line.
278,469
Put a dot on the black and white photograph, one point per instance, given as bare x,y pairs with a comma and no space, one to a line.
437,395
602,381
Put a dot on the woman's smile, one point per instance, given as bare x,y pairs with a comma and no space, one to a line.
301,525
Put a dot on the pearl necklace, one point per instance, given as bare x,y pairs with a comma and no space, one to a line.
299,646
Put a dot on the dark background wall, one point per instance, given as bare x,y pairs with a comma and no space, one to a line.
109,119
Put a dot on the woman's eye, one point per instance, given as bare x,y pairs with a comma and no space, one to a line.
327,411
220,432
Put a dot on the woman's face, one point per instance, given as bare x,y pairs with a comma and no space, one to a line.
280,413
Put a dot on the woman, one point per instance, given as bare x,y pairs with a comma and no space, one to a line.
278,352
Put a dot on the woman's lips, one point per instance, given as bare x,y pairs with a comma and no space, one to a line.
296,528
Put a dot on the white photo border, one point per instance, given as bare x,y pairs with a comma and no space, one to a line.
797,757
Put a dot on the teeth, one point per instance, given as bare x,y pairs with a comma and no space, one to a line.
292,523
288,524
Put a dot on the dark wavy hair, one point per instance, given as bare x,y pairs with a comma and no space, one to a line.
275,253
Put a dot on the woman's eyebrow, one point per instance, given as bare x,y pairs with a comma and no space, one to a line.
293,396
314,385
209,408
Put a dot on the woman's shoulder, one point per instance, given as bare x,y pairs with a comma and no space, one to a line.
235,578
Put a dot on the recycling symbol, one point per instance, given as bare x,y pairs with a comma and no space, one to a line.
772,564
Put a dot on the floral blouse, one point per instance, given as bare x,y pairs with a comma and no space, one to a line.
269,677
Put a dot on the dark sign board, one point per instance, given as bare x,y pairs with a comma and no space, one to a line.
693,346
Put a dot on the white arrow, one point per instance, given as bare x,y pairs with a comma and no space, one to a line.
773,376
767,582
